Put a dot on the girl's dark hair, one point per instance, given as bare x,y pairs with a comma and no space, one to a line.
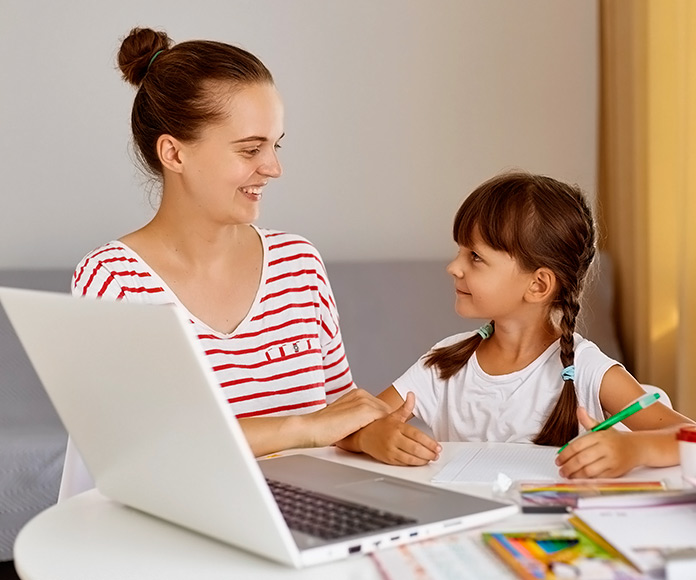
179,90
540,222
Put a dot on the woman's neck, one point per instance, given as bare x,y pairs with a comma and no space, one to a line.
190,247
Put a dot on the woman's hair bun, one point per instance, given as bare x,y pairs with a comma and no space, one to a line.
138,50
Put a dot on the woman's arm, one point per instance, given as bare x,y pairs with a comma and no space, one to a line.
347,414
611,453
391,439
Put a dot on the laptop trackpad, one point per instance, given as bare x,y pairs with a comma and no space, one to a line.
385,492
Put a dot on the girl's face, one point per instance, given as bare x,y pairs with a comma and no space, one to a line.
488,283
225,170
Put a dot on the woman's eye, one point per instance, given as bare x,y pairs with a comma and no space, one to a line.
252,152
277,146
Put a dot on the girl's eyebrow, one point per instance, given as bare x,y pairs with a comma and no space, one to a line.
256,138
481,252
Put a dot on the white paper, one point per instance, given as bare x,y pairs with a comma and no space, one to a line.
645,534
517,462
452,557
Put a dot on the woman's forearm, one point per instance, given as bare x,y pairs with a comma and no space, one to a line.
270,434
326,426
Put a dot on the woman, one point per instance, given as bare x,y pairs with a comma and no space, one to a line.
207,121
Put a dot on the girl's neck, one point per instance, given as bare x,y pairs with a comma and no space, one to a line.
514,347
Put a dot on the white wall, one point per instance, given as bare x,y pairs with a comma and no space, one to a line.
395,110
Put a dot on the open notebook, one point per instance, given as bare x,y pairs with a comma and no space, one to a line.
484,463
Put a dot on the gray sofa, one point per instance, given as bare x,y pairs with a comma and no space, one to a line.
391,313
32,438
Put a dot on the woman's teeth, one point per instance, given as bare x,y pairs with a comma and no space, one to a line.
256,191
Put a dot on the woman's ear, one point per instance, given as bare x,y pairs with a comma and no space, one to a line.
168,151
542,287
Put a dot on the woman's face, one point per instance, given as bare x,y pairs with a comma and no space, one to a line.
225,170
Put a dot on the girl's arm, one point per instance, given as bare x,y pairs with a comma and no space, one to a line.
651,442
391,439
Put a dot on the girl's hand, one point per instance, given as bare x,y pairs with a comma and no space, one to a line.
392,440
608,453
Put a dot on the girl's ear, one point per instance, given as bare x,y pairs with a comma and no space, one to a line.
169,153
542,287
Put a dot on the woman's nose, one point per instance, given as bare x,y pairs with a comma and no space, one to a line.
272,166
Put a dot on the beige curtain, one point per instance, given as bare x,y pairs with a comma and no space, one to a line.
647,185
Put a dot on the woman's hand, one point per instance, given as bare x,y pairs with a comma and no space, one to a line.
344,416
392,440
608,453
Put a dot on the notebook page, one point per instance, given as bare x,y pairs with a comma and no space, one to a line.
484,464
644,534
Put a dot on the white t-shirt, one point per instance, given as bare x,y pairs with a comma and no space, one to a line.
475,406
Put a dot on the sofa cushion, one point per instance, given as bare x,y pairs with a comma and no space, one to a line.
32,438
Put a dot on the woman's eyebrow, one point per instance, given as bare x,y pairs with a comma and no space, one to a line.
255,138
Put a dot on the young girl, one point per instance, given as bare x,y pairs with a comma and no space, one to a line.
526,244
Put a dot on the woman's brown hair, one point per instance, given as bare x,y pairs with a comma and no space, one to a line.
540,222
180,87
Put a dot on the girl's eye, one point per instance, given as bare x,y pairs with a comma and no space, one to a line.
475,257
278,146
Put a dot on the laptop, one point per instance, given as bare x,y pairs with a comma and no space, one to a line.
134,390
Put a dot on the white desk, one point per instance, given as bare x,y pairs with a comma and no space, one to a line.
90,537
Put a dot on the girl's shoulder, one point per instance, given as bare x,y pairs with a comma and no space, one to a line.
589,356
585,347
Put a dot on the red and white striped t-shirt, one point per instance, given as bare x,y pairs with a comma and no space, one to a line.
286,356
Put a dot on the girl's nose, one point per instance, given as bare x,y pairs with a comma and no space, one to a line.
453,269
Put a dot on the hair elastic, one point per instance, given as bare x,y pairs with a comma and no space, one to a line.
486,331
154,56
568,373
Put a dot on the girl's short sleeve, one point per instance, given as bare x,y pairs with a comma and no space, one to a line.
425,383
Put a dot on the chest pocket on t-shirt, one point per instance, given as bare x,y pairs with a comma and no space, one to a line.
290,349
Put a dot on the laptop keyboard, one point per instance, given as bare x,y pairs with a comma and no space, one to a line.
328,518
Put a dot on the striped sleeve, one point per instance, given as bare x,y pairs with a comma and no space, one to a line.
113,273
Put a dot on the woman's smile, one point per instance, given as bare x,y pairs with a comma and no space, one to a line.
253,192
